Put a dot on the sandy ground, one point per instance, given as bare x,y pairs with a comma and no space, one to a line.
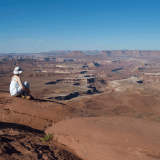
113,138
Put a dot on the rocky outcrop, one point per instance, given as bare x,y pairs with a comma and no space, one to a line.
123,84
23,142
76,54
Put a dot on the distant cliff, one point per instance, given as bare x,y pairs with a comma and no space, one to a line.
131,53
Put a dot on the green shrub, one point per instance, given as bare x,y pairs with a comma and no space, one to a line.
47,137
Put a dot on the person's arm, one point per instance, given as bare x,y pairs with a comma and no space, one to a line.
20,83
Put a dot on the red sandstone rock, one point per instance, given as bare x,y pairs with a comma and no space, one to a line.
76,54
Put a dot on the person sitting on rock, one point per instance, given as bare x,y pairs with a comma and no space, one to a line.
17,88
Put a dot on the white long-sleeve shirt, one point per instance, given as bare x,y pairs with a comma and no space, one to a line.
15,88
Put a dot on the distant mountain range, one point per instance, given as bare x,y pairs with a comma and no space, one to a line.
83,54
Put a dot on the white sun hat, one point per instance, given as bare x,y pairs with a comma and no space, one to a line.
17,70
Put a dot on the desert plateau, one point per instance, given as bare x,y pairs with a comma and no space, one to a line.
97,105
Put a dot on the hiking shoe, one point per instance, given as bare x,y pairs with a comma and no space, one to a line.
23,97
28,97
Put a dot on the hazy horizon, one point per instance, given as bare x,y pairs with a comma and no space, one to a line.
89,52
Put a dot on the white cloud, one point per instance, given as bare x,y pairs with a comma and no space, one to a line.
28,40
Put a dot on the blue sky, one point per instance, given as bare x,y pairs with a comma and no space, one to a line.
29,26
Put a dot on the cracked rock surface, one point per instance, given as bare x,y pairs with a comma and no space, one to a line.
22,142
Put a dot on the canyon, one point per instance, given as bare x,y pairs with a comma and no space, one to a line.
96,104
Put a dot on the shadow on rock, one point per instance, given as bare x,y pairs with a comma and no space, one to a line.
68,97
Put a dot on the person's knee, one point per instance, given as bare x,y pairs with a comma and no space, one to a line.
26,85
